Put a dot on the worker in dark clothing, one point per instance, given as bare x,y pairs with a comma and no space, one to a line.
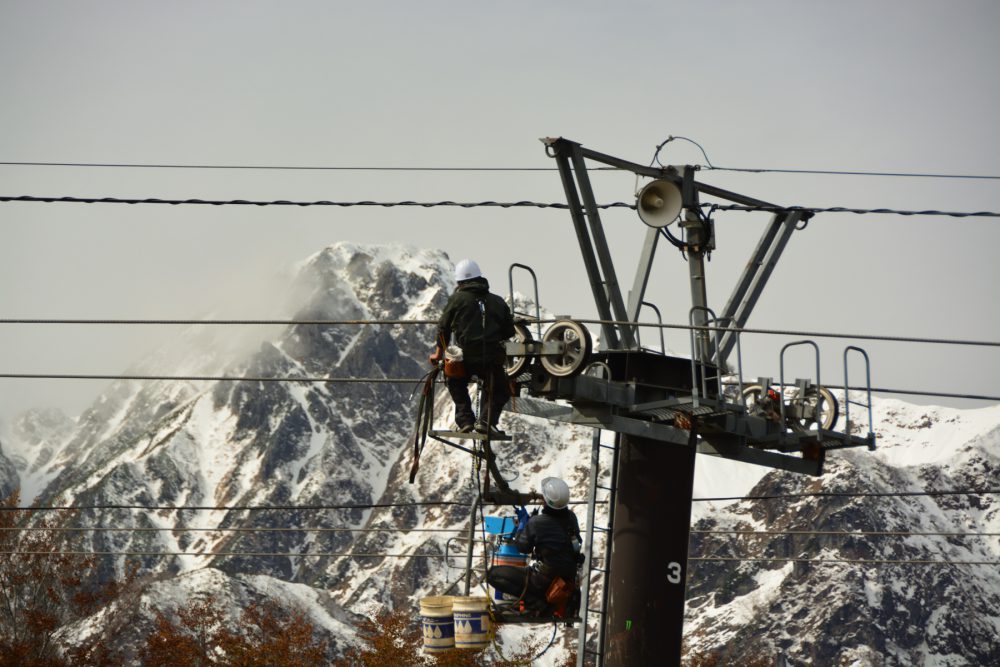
478,322
553,540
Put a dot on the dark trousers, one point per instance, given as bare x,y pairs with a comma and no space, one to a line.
522,582
496,391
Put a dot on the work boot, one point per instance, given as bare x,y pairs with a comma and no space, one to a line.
493,431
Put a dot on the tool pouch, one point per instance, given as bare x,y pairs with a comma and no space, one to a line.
558,595
454,365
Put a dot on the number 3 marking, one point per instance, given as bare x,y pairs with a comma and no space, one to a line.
674,573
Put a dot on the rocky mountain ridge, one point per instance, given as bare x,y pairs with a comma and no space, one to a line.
335,457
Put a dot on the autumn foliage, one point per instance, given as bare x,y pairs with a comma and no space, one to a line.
265,635
394,639
42,588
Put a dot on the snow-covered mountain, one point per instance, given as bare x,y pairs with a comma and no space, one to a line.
235,446
880,611
9,479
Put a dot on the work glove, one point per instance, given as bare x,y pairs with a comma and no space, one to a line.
522,518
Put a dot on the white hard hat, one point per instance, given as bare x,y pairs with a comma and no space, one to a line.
555,492
466,270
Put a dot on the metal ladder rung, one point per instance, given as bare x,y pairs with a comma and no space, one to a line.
599,569
606,488
591,610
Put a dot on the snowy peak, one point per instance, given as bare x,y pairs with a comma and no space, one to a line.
374,282
856,568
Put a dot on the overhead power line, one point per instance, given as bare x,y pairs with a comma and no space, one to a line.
326,554
286,508
847,533
848,172
847,561
285,202
653,325
208,554
482,204
856,494
425,503
209,378
731,531
278,167
473,168
183,529
383,380
859,211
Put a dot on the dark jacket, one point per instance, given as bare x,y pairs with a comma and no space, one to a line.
549,538
478,320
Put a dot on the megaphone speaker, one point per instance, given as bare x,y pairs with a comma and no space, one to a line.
659,203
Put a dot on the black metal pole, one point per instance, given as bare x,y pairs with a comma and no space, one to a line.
645,621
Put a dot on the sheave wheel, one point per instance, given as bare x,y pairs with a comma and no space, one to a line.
822,405
751,396
515,364
576,348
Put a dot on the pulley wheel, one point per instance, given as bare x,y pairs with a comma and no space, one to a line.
576,348
822,405
515,364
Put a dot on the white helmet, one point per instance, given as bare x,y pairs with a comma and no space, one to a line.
467,270
555,492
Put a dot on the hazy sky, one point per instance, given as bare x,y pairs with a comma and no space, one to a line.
883,86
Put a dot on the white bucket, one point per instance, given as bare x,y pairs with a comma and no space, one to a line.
472,622
438,623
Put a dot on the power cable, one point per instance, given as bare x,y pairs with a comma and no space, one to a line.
285,202
181,529
793,332
428,503
285,508
370,380
482,204
842,209
218,322
734,531
217,554
850,561
184,508
208,378
849,533
855,494
830,172
846,172
707,167
324,554
394,322
133,165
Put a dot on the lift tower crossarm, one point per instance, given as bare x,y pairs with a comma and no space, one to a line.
756,274
607,293
600,268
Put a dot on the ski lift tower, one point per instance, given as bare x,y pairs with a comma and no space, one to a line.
665,409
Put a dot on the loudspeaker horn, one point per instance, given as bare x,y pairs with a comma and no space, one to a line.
659,203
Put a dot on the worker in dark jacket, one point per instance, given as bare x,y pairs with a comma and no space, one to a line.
552,537
478,322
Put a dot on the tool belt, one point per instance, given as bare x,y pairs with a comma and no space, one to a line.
559,592
454,364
